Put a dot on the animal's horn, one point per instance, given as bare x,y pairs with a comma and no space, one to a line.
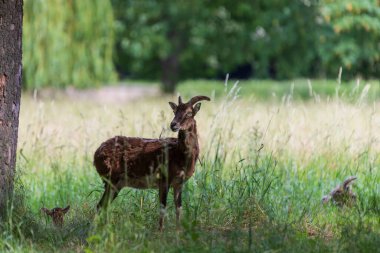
197,99
180,100
348,181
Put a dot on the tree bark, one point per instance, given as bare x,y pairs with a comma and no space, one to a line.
10,91
169,78
170,64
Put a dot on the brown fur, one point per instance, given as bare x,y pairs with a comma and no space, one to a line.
57,214
152,163
342,195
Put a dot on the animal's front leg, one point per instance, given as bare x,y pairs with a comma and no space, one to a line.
110,193
163,192
103,203
178,203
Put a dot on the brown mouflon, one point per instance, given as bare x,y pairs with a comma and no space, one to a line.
152,163
56,214
342,194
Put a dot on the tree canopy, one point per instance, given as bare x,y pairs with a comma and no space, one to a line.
67,43
176,40
350,36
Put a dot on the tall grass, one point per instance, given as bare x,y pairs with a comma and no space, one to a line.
258,186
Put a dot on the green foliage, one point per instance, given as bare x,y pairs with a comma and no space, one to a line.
284,39
350,36
183,38
216,37
275,39
207,38
71,42
67,43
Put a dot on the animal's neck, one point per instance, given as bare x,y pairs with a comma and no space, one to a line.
188,141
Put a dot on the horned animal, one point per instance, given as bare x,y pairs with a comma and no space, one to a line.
152,163
342,194
56,214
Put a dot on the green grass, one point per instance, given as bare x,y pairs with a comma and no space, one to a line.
242,198
299,89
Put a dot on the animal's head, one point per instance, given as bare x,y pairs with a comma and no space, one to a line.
56,214
342,194
326,199
184,112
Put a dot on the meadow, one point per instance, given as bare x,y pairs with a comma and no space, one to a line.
267,158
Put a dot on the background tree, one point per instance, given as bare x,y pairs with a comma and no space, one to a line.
284,39
152,36
191,39
68,43
183,38
349,37
10,91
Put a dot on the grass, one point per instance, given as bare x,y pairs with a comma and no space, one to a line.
264,168
300,89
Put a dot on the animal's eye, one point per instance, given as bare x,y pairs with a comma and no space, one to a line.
189,114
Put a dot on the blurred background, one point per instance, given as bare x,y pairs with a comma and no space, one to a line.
90,43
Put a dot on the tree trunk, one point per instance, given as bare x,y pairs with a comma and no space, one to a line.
10,92
169,78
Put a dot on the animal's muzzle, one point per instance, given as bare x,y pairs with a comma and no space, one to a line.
174,126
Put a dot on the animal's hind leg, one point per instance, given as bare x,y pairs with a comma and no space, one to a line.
163,193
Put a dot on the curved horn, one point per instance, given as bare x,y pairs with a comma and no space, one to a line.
197,99
179,100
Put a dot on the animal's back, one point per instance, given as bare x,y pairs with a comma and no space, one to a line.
116,155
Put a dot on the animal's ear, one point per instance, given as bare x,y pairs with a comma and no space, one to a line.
47,211
66,209
348,182
173,106
196,108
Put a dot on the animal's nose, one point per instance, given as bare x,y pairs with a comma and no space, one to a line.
173,126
